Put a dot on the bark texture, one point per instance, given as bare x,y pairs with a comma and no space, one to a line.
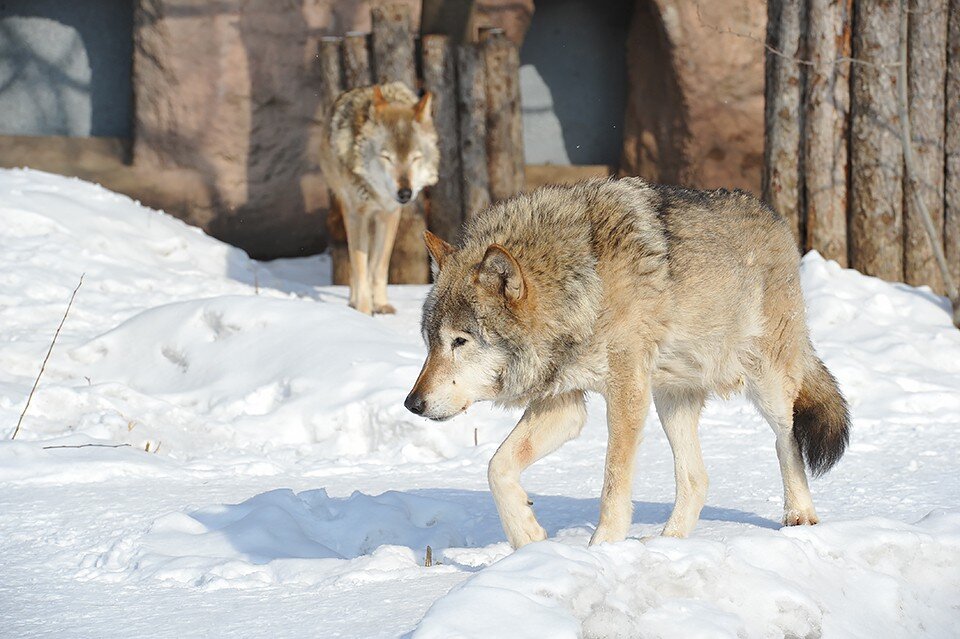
356,61
951,225
504,128
927,71
472,107
876,167
826,126
782,181
439,77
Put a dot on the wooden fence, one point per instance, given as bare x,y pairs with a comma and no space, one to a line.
476,109
834,156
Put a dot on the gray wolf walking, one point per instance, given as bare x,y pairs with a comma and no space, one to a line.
635,291
378,150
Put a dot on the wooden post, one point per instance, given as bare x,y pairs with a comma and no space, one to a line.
504,125
951,223
927,76
876,155
331,84
826,124
439,77
782,152
393,60
356,72
331,87
356,61
472,105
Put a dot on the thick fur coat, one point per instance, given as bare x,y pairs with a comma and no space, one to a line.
638,292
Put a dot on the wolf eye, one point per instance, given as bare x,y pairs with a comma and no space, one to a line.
387,156
459,341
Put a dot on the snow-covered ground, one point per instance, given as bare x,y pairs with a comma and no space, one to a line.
273,485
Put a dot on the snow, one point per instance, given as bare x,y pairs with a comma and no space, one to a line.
264,479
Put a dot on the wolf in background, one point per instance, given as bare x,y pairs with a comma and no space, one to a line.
635,291
378,151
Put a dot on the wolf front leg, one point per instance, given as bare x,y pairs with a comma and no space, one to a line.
384,234
544,427
358,245
628,399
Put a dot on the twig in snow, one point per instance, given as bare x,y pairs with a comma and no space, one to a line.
428,558
908,161
47,357
87,446
474,436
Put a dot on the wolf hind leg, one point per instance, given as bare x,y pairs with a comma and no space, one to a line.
384,234
773,395
679,412
545,426
358,247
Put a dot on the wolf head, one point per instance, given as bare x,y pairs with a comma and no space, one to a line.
464,318
397,148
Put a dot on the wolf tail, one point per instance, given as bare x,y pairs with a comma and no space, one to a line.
821,419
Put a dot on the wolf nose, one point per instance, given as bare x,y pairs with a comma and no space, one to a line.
415,403
403,195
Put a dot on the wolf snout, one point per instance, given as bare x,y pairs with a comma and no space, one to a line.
403,196
415,403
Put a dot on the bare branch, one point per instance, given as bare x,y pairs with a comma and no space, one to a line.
87,446
46,358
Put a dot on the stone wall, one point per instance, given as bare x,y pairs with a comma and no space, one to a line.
229,90
695,106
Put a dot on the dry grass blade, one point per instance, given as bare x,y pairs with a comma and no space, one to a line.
43,366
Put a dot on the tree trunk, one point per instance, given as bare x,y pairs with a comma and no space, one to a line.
951,226
356,61
927,71
330,80
783,91
356,72
504,127
393,60
472,105
826,126
876,155
439,77
331,87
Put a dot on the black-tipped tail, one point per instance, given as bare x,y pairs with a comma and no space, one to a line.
821,420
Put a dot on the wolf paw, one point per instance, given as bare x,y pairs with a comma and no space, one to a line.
363,307
798,517
527,532
384,309
605,535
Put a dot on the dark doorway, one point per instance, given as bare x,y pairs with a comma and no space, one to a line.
573,81
65,67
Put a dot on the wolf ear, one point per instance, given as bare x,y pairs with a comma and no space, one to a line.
421,111
500,272
379,103
439,250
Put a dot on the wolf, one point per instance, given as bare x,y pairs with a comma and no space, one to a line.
378,151
637,292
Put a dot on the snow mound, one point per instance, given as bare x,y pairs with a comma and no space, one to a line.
872,577
248,370
286,537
